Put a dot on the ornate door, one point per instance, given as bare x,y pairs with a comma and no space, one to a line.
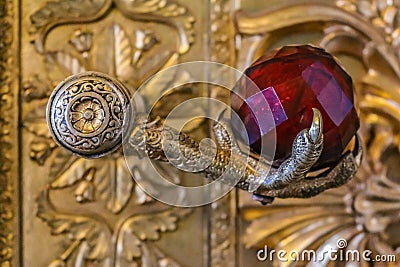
60,210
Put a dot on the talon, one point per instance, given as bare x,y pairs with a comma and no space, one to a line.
264,200
315,131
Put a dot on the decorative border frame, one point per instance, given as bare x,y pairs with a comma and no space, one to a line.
9,137
223,226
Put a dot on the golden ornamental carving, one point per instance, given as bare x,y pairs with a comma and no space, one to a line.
8,146
104,187
54,14
118,225
364,211
222,219
90,236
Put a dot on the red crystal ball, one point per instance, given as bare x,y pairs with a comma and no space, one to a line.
293,80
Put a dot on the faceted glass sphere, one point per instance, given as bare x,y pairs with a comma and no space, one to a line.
293,80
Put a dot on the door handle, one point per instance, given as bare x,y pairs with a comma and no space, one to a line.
90,114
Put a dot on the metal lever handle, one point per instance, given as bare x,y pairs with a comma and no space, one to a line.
89,114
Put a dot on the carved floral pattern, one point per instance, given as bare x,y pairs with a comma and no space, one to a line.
87,115
90,238
82,41
105,183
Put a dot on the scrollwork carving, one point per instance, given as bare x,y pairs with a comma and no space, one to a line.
90,236
360,211
54,14
383,15
131,55
168,12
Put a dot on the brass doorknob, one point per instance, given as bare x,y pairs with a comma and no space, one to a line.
86,113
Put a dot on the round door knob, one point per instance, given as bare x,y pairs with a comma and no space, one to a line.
86,114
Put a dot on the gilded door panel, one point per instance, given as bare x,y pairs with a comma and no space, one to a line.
60,210
79,212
